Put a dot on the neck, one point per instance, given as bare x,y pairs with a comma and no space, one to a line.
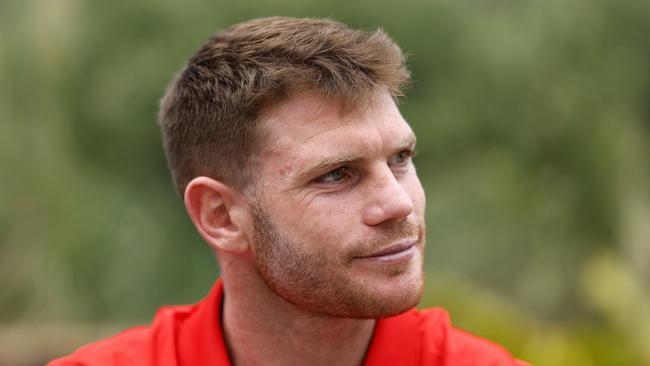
260,327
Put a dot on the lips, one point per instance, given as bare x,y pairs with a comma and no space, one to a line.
392,249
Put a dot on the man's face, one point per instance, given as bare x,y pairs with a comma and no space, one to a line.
339,209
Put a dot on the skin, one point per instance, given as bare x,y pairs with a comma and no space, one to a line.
330,239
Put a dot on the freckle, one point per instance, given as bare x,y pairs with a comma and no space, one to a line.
285,170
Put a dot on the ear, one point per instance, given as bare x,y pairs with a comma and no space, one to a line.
219,214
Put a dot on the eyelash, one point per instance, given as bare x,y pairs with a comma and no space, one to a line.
345,170
342,169
409,154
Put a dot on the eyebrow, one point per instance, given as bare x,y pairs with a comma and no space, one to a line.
328,163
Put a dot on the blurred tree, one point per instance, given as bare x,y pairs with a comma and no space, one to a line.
533,119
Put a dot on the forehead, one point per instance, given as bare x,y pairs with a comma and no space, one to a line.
309,122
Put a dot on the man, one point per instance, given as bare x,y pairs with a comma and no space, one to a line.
284,139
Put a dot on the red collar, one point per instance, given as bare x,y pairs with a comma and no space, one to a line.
201,342
396,341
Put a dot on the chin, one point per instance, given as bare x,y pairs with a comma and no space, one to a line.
362,298
405,298
394,293
388,298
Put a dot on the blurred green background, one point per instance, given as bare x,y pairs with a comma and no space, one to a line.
533,119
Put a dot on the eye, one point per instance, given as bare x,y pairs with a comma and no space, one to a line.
401,158
335,176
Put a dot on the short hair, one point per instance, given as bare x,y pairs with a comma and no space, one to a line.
210,112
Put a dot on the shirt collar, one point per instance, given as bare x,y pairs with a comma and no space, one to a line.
395,340
201,341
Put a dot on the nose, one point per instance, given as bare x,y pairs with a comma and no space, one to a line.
388,199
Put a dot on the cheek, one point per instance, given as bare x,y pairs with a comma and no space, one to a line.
328,222
325,225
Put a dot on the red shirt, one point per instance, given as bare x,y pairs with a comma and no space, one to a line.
191,335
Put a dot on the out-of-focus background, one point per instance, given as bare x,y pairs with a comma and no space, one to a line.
533,119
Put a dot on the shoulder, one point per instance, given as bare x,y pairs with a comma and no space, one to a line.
129,347
149,345
446,345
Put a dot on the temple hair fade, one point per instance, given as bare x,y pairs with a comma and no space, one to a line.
210,112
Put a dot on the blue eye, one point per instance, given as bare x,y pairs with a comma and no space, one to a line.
401,158
335,176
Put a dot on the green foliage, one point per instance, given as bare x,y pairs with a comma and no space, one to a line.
533,122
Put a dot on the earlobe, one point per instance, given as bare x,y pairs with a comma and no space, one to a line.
215,212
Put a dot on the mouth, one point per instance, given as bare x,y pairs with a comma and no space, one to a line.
394,253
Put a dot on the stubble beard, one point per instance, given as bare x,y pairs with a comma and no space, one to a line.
319,283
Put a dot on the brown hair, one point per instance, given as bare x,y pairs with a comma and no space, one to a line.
210,111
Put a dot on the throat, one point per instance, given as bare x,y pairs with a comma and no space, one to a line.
274,332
